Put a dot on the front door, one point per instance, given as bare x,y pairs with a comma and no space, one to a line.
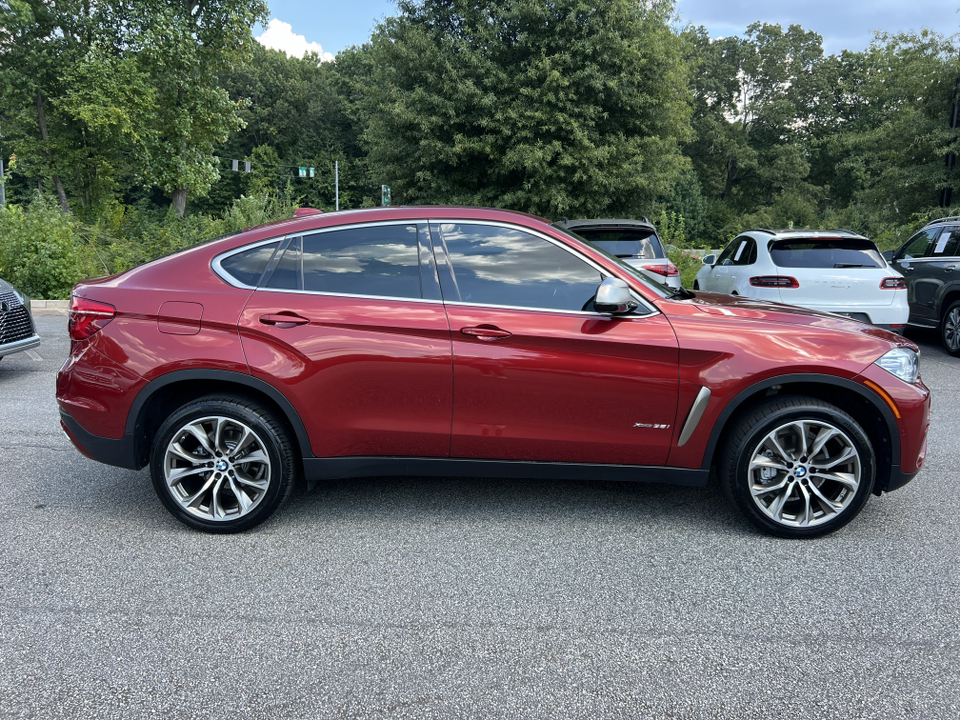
539,375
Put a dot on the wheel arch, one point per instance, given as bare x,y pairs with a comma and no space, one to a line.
867,408
947,299
160,397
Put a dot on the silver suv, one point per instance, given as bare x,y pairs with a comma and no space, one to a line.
930,262
633,241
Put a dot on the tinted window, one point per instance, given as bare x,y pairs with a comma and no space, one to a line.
746,253
734,249
247,266
826,253
502,266
286,275
947,242
381,260
631,242
919,245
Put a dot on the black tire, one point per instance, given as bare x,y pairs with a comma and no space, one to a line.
789,493
950,329
207,487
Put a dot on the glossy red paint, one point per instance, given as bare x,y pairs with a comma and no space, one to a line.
385,377
563,387
370,377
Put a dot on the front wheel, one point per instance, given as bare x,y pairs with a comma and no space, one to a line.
950,329
798,467
222,464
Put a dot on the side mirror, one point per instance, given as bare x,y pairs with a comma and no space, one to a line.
887,255
709,259
613,296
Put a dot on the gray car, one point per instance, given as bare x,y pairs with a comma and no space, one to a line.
634,241
16,324
930,263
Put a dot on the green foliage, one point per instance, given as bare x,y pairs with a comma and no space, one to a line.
41,249
566,108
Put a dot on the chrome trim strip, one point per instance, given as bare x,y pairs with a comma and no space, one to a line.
20,345
694,416
347,295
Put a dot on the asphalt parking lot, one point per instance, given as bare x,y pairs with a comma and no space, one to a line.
465,597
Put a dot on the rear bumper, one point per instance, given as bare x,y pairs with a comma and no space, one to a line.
110,451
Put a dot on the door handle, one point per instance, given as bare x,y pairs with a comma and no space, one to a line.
486,332
283,320
950,268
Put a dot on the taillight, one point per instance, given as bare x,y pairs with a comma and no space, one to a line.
667,270
777,281
893,283
88,317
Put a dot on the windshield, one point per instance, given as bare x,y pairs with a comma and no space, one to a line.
660,288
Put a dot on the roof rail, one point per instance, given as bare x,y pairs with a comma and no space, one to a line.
949,218
771,232
844,230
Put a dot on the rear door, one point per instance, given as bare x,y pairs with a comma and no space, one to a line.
355,335
538,374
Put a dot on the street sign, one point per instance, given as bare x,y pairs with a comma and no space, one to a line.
303,172
385,195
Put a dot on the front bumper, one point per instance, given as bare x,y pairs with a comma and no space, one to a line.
20,345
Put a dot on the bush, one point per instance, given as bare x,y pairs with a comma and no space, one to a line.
42,251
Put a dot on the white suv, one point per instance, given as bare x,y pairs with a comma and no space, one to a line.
834,271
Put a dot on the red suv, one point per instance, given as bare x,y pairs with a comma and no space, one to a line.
449,341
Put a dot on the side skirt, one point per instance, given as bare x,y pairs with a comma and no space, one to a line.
319,469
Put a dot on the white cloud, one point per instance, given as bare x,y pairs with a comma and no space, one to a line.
280,36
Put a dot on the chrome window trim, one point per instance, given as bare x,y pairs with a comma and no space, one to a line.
230,280
651,310
348,295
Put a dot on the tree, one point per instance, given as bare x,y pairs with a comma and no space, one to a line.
157,84
895,143
562,108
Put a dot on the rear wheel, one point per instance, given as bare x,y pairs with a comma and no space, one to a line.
222,464
798,467
950,329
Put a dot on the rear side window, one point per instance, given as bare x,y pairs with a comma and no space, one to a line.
625,243
379,260
826,253
947,242
247,266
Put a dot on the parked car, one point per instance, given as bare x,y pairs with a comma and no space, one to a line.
834,271
16,323
634,241
465,341
930,262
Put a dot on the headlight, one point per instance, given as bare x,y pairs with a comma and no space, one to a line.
902,362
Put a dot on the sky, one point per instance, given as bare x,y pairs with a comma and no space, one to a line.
329,26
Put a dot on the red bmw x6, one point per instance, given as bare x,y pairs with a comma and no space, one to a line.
447,340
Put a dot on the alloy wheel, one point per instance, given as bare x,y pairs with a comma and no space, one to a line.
217,468
804,473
